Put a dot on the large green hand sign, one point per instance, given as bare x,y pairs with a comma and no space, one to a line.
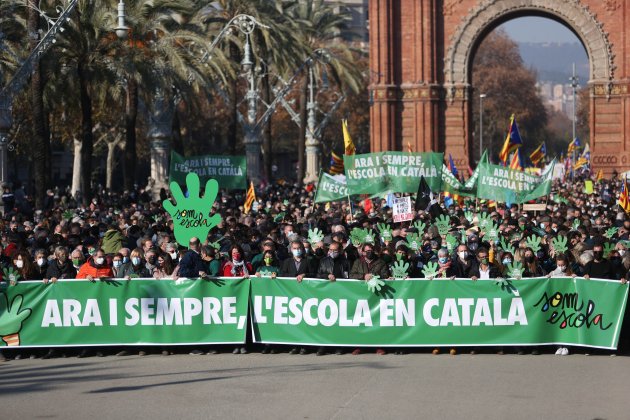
11,318
191,216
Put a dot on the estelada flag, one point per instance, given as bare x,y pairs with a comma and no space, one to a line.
336,164
600,176
249,198
624,200
538,154
512,142
347,140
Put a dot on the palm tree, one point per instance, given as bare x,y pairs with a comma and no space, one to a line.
319,26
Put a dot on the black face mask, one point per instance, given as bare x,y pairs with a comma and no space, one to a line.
319,252
615,260
369,255
529,259
598,254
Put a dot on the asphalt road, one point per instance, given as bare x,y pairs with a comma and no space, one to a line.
280,386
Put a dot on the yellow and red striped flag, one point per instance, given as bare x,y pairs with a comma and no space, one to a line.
512,142
624,200
249,198
347,140
600,176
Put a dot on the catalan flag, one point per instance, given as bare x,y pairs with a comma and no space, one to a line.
538,154
624,200
584,160
409,149
517,162
512,142
574,145
347,140
600,176
249,198
336,164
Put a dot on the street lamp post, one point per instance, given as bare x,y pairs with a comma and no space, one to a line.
19,79
574,85
482,96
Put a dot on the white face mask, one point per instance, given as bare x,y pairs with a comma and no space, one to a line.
19,263
100,261
621,252
462,255
173,255
40,261
563,268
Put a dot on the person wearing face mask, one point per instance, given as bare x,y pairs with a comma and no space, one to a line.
209,258
96,268
464,265
531,266
77,259
23,265
41,266
600,267
506,258
269,268
334,265
562,270
237,266
117,264
136,268
171,249
297,265
485,269
369,265
267,245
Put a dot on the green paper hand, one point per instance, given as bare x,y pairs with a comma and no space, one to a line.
420,226
400,269
430,270
533,242
11,319
385,231
375,284
11,275
462,233
451,243
484,222
413,241
493,232
608,248
191,215
506,246
559,244
357,235
469,215
279,217
611,232
67,215
515,270
443,224
576,224
368,238
315,236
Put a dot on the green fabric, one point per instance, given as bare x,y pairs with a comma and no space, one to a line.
229,171
112,242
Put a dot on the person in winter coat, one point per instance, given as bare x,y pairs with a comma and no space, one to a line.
95,268
136,268
112,241
61,267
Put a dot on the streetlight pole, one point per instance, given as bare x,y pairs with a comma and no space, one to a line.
15,85
574,85
481,98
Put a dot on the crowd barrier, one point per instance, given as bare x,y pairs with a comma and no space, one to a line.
403,313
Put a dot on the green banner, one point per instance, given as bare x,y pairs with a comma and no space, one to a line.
452,185
330,188
505,185
81,313
439,313
384,172
229,171
543,188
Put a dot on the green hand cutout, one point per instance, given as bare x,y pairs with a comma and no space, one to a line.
506,246
375,284
11,275
216,244
493,232
443,224
191,215
469,215
67,215
357,235
559,244
279,217
611,232
430,270
11,319
315,236
385,231
413,241
533,242
400,269
484,222
608,248
576,224
515,270
462,233
451,243
420,226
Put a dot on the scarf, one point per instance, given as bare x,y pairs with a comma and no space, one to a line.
239,265
443,268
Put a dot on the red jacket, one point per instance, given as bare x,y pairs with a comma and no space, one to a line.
88,269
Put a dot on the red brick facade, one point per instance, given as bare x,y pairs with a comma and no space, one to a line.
420,55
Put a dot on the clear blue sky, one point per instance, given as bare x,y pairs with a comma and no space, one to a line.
538,30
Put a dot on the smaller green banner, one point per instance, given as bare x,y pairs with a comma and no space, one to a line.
229,171
385,172
330,188
505,185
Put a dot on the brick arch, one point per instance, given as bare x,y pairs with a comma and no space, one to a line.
482,19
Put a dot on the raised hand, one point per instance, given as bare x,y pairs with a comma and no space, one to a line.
430,270
400,269
315,236
559,245
191,216
533,242
375,284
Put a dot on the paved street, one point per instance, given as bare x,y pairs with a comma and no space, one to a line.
301,387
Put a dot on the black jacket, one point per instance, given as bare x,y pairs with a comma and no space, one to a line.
63,271
339,267
306,268
465,270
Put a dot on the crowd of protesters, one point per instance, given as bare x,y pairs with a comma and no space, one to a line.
129,236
